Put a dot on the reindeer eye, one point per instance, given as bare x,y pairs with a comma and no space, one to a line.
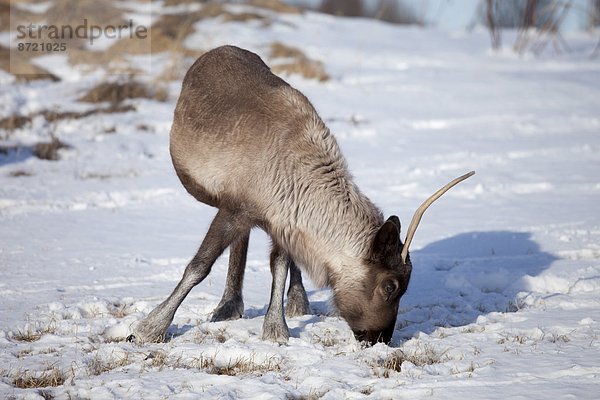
390,288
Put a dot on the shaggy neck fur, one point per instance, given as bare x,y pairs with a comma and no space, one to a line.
321,217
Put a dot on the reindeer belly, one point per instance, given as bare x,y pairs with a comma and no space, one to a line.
214,170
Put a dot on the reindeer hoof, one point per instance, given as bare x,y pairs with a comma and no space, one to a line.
275,332
297,304
146,332
228,310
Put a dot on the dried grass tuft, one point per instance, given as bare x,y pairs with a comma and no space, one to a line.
14,121
98,365
307,68
296,62
391,363
49,150
44,151
420,357
34,332
158,359
171,30
236,367
247,366
19,173
116,92
280,50
27,379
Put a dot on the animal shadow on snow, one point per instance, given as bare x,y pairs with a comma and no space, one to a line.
457,279
14,154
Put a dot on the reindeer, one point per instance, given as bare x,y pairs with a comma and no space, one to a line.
246,142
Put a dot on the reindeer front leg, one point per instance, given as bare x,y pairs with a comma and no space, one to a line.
274,327
224,229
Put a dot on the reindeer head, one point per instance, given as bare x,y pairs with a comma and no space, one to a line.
371,309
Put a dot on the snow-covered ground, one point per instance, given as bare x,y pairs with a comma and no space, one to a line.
504,301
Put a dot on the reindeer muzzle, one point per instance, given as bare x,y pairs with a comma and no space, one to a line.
375,336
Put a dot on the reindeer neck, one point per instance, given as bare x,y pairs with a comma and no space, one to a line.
326,223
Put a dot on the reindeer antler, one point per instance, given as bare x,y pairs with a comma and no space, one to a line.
421,210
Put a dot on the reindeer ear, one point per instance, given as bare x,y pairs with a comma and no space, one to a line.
387,241
396,221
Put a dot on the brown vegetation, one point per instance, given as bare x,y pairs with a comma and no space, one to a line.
98,365
280,50
420,357
294,61
19,173
33,333
112,62
9,10
4,16
43,151
116,92
15,121
29,379
234,367
393,11
170,30
21,67
168,34
73,13
49,150
273,5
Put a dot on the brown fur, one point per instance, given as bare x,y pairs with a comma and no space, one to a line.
246,142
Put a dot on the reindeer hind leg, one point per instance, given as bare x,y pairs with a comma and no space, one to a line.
297,303
231,305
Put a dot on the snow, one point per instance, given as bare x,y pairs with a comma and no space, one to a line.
504,300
